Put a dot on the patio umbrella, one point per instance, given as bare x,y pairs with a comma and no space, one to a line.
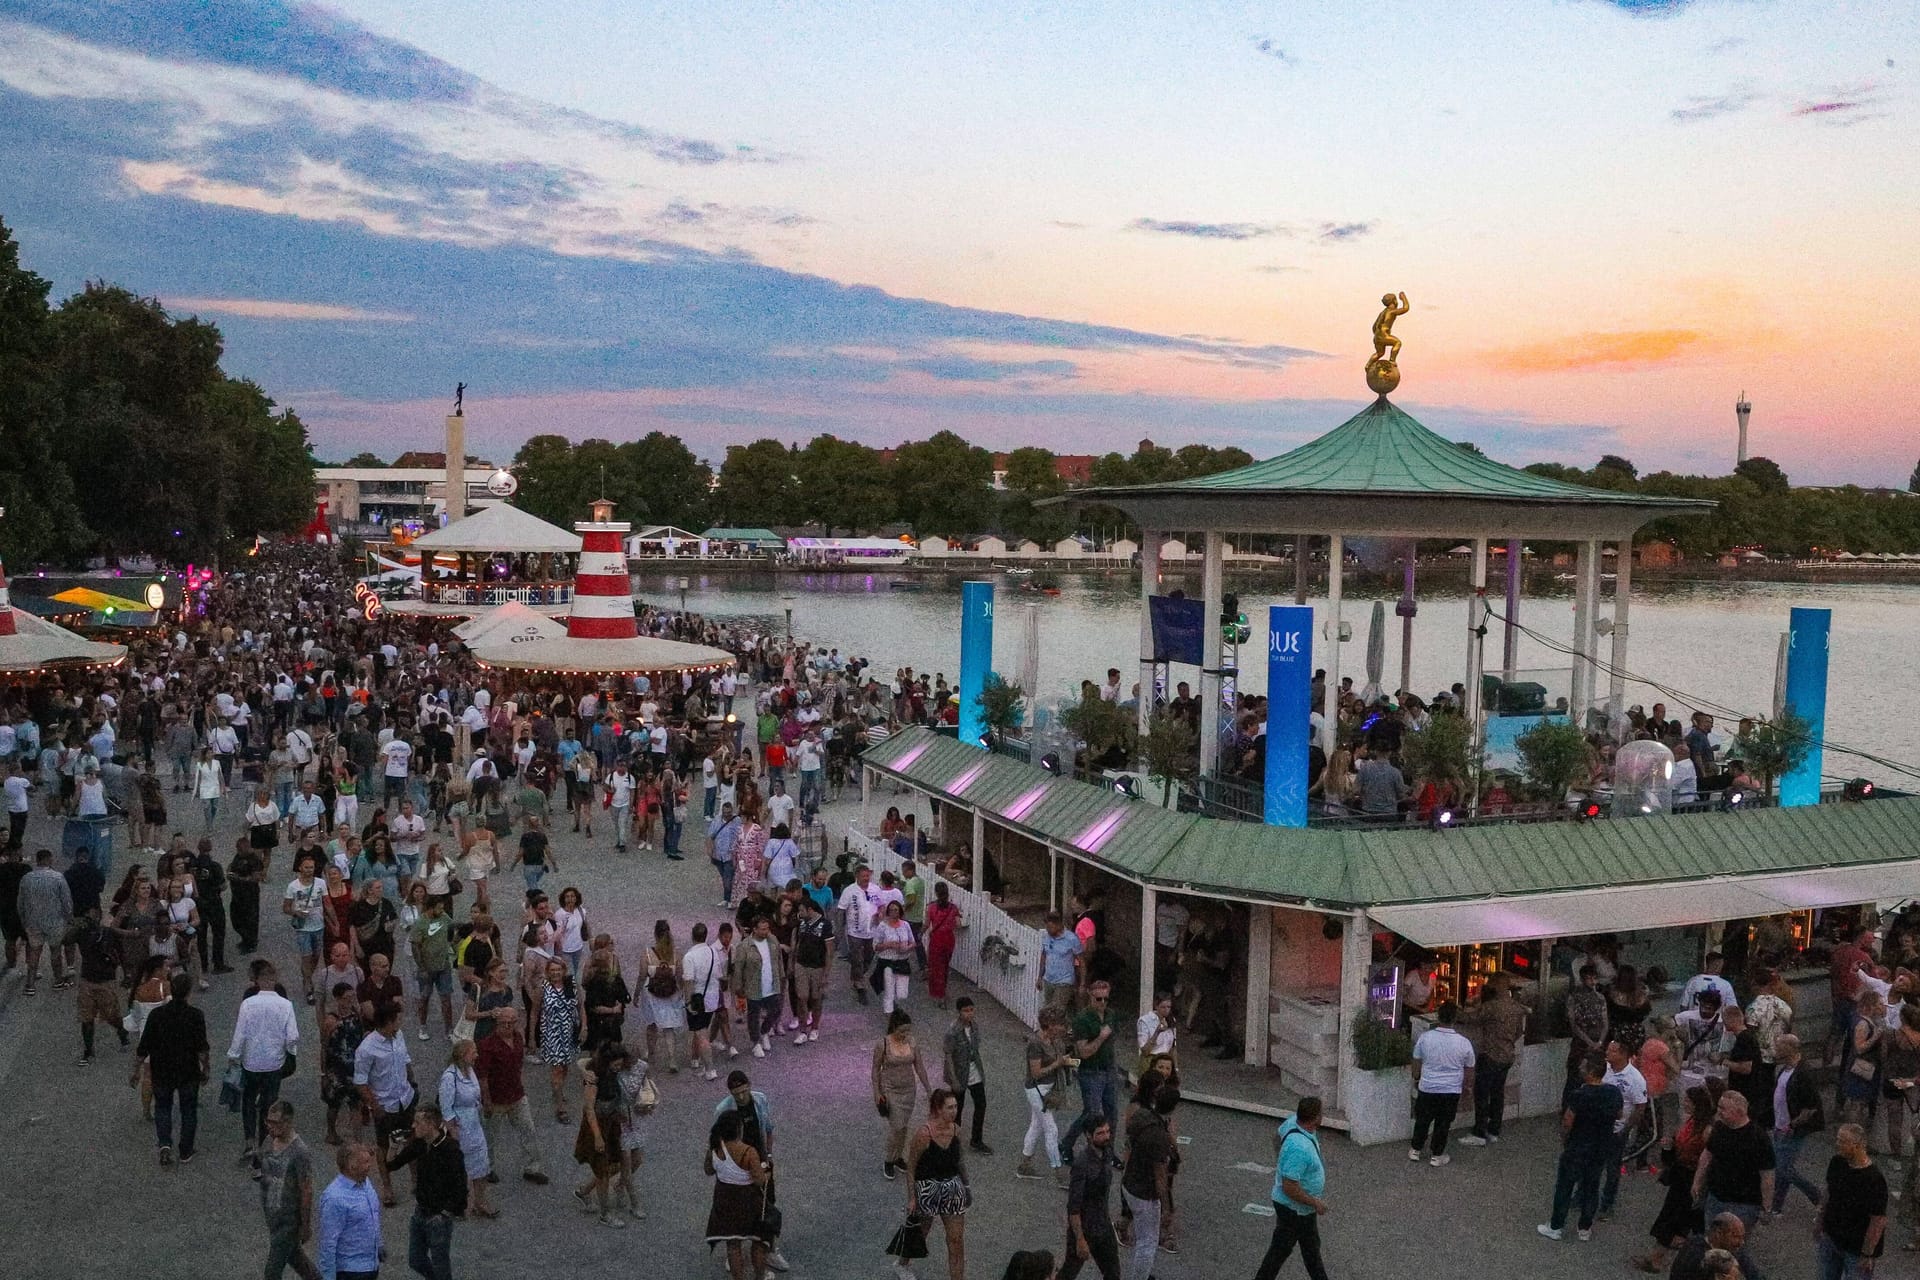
1376,651
100,601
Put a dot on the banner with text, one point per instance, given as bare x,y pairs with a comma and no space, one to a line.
1807,698
976,656
1289,703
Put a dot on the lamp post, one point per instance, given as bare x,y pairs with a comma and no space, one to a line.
684,584
787,600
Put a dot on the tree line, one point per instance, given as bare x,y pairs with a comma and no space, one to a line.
121,435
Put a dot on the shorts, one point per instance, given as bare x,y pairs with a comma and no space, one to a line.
44,937
388,1123
431,982
307,941
11,929
809,985
699,1021
97,1000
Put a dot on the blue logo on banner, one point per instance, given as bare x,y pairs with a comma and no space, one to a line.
1289,703
1807,698
976,656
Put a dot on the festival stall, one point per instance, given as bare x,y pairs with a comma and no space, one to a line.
498,555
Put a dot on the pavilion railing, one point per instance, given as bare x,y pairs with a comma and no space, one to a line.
467,593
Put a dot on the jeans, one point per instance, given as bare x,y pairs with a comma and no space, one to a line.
1610,1185
430,1245
706,802
1489,1100
531,876
726,878
283,1251
164,1096
1146,1235
1578,1179
622,819
1831,1262
1433,1113
258,1091
670,836
810,788
1098,1097
978,1092
1786,1172
1291,1229
1103,1250
763,1016
1714,1206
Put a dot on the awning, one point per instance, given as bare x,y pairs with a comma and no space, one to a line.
1651,906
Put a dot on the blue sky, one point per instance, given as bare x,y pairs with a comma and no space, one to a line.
1074,225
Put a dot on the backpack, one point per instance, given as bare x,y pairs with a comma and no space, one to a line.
662,983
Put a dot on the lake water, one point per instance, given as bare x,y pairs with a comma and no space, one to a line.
1714,640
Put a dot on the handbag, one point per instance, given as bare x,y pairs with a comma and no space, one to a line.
1863,1068
910,1241
770,1222
883,1107
650,1098
288,1066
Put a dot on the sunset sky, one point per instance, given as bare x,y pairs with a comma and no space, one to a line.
1071,224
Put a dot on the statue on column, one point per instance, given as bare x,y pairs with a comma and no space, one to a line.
460,393
1383,371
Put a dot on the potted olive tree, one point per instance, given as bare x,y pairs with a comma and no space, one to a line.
1553,757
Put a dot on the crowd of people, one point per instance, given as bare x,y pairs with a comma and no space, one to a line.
376,786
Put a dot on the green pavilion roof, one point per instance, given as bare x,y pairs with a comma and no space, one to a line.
1495,872
1383,450
726,533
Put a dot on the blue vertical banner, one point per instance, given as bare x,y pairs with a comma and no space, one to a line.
1289,703
1807,698
976,656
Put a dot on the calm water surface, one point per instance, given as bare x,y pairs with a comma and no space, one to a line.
1714,640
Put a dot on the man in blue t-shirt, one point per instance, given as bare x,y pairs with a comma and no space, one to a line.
1299,1176
1588,1125
1060,963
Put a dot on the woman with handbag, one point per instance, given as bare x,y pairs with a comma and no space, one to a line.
897,1070
1860,1066
660,1001
737,1218
1048,1059
892,957
937,1177
603,1110
642,1099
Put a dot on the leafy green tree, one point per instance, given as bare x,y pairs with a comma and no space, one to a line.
674,487
1108,729
560,480
1003,704
1763,474
1553,756
1776,747
1614,464
1205,460
365,459
1031,476
42,520
1171,751
843,485
1442,753
945,485
758,485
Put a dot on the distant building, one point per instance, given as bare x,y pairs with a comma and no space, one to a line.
1656,555
1074,468
369,500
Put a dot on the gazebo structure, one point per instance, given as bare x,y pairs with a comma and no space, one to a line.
500,554
1383,475
602,638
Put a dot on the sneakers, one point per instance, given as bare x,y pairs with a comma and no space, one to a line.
732,1052
423,1033
778,1261
1025,1169
585,1201
1438,1161
759,1051
813,1035
536,1177
1471,1140
901,1271
887,1169
800,1039
712,1075
611,1220
1551,1233
166,1156
186,1157
980,1148
1414,1155
766,1041
1586,1233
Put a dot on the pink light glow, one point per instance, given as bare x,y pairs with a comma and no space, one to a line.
960,784
1024,805
911,755
1096,835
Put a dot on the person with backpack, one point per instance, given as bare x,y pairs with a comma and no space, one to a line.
660,998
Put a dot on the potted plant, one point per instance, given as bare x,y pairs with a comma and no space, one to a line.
1003,705
1172,751
1553,756
1775,747
1106,728
1378,1092
1442,754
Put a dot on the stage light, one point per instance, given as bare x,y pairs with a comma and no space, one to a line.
1126,787
1859,789
1051,763
1590,810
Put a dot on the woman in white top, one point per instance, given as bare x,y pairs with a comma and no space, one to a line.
1155,1031
570,930
184,919
482,859
783,857
892,956
437,874
208,784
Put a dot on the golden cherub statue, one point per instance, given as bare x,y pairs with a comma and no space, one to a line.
1383,371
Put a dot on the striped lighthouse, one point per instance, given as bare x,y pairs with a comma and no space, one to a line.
602,597
6,605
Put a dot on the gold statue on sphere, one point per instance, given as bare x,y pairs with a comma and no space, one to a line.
1383,371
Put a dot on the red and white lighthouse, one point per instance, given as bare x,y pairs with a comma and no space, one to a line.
602,596
6,605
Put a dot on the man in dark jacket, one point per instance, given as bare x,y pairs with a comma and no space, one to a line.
210,896
174,1047
439,1192
966,1073
1797,1119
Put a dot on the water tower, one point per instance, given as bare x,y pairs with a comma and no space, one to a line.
1742,410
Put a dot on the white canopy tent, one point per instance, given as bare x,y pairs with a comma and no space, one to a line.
500,530
510,623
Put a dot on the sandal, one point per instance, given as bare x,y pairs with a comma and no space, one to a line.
562,1117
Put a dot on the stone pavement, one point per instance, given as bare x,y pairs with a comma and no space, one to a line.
83,1194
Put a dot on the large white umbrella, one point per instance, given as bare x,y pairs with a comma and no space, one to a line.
1376,651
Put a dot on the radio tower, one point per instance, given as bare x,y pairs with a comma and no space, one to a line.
1742,410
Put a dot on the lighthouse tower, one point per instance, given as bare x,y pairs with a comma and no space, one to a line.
602,596
6,605
1742,410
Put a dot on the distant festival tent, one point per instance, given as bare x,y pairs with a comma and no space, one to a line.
28,643
511,623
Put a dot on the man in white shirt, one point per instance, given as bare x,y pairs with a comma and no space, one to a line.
620,804
383,1072
305,810
409,834
1686,778
398,753
1442,1071
19,804
780,806
1624,1076
859,910
1708,977
299,751
265,1032
704,971
812,760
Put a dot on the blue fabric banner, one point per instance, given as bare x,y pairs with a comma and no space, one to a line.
1289,703
1178,625
1807,698
976,656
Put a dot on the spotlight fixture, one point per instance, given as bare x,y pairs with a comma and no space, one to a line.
1442,819
1126,787
1859,789
1051,763
1590,810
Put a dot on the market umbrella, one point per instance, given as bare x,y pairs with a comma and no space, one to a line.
100,601
1376,651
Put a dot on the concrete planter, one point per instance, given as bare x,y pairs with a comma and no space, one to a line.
1380,1105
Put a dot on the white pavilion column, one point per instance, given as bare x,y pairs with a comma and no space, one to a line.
1255,1031
1149,905
1580,694
1476,648
1149,586
1299,568
1330,698
1212,588
1622,596
1356,958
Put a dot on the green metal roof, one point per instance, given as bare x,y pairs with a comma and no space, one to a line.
1359,867
724,534
1383,451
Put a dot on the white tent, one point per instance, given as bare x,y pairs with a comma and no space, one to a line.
509,624
37,643
501,529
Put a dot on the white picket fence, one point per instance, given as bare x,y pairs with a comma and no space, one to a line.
1009,980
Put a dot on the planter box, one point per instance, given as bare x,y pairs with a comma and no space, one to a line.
1379,1105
